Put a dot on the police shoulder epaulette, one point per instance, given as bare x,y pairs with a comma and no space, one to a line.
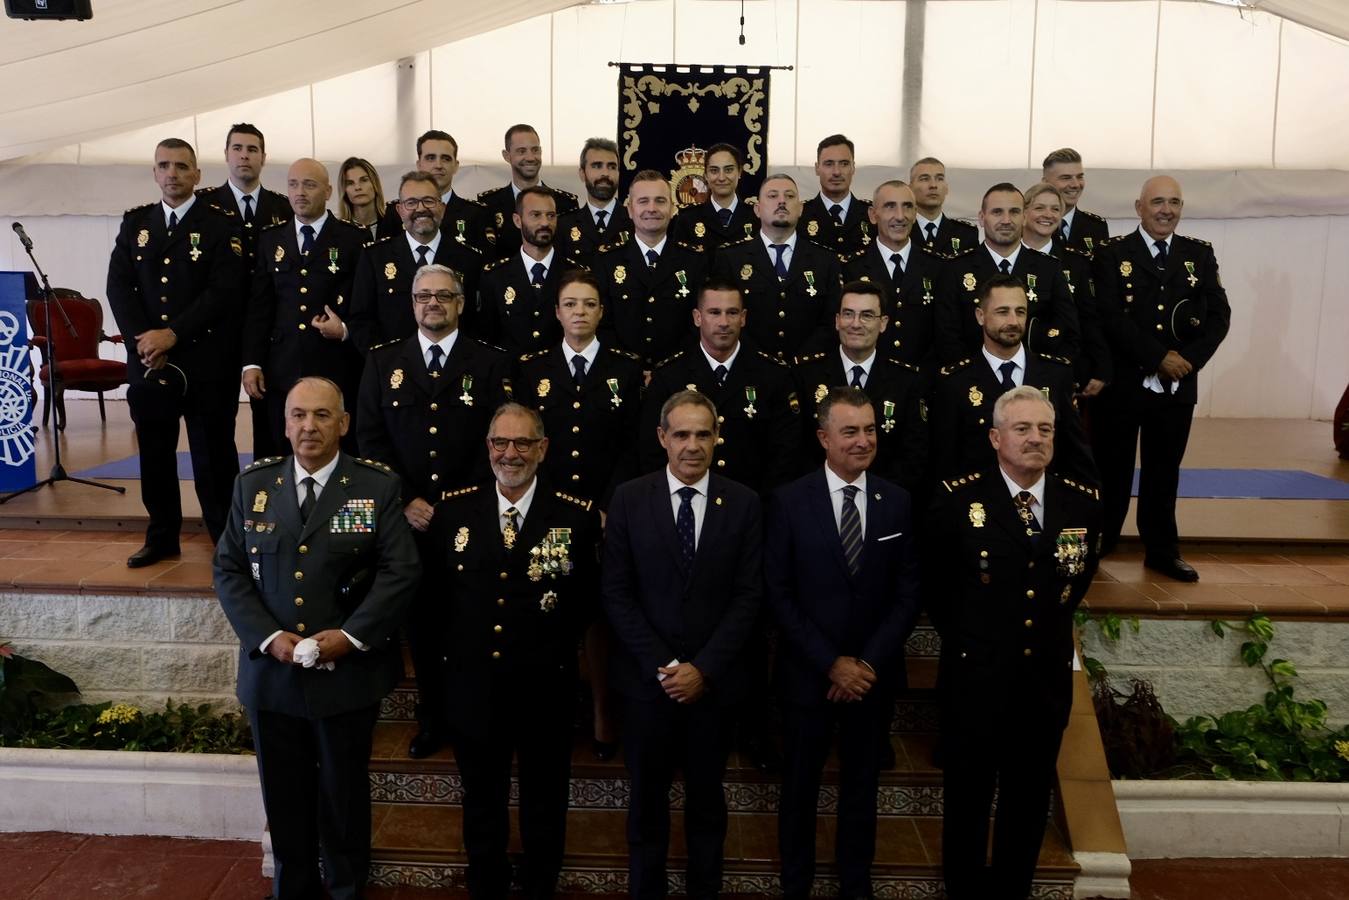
1075,251
1061,360
495,190
955,367
626,353
584,504
487,267
678,354
1114,239
1086,489
954,483
562,192
446,495
866,204
910,366
1090,215
526,357
1194,240
858,255
750,201
376,465
383,240
744,240
265,461
687,246
384,344
957,254
227,213
801,360
472,202
135,209
929,249
275,225
771,358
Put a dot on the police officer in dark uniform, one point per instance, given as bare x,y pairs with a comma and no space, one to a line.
723,218
933,227
379,312
1079,229
173,283
896,390
963,399
524,154
301,291
517,296
1053,326
759,417
1165,313
1010,551
834,218
790,285
520,579
425,403
464,220
315,573
602,219
649,282
908,274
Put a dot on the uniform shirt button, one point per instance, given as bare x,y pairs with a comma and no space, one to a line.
299,576
577,404
896,343
1030,623
981,421
501,601
650,300
575,477
304,308
432,429
534,334
576,429
435,476
299,626
648,318
575,454
721,463
496,629
720,441
163,318
503,576
433,454
1031,564
984,579
1026,652
1030,595
299,601
253,550
496,654
304,548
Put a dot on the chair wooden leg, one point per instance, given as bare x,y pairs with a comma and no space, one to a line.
61,410
46,405
102,411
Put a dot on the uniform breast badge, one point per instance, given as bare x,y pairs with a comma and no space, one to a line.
500,220
396,379
746,272
1126,268
354,517
466,397
551,556
1030,292
143,237
194,238
545,385
751,395
509,296
279,255
810,283
977,515
1088,242
968,281
575,233
812,228
260,501
461,539
1070,551
700,230
390,271
1189,267
927,291
459,227
616,400
888,414
955,245
976,396
749,229
548,601
683,283
332,260
821,392
620,274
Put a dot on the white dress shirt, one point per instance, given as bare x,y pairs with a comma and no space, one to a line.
446,344
1037,491
607,210
846,203
521,506
713,362
848,364
589,352
529,262
239,196
836,486
1018,374
317,225
1152,382
643,246
921,224
786,254
997,260
432,246
699,501
886,253
180,210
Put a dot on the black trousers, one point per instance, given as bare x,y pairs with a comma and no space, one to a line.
316,790
538,735
1131,417
427,624
209,409
807,734
661,736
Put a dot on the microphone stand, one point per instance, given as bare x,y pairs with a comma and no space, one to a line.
53,381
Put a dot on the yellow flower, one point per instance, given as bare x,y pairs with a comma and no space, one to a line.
119,714
1342,748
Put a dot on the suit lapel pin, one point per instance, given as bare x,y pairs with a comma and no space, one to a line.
717,501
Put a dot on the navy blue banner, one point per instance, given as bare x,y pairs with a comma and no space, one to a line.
17,467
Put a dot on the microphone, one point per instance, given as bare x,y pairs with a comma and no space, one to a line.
23,236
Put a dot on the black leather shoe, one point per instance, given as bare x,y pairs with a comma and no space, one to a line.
604,750
1172,567
424,744
148,556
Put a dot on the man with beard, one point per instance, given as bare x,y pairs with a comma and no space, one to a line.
758,427
649,281
834,218
603,220
906,271
517,297
1052,328
965,391
935,229
790,285
464,220
425,403
1009,553
1079,229
524,154
300,294
379,311
520,577
723,218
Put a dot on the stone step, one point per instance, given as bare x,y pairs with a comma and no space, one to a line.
422,845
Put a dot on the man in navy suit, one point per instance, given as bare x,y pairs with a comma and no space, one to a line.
841,576
681,583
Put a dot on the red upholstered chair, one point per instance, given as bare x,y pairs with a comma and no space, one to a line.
81,368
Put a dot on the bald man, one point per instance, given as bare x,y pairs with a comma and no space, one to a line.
1164,312
300,294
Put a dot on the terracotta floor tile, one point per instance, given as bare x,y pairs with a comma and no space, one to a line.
1334,596
15,568
1207,879
1317,559
1240,557
53,574
117,577
391,740
1209,598
191,577
106,536
1127,571
919,749
1277,597
1122,597
1223,573
243,881
24,870
155,845
929,832
1336,573
1286,574
145,876
41,840
30,534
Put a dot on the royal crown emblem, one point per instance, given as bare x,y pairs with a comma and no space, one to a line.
689,179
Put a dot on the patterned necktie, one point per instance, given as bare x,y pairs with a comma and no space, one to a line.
898,274
931,232
308,243
578,365
850,529
857,373
511,530
725,216
652,257
248,209
1063,232
720,373
684,527
1161,253
1007,369
309,501
837,212
780,263
421,255
173,221
600,215
434,367
1024,500
1005,267
537,273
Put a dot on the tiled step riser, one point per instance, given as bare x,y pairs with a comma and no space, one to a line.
612,793
615,881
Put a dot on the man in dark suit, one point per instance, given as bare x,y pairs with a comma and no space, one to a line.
649,280
519,575
1079,229
301,292
1165,313
963,399
933,227
723,218
790,285
1009,553
841,576
681,584
523,152
602,219
834,218
379,308
517,296
908,272
425,403
896,391
464,220
173,278
314,573
1052,327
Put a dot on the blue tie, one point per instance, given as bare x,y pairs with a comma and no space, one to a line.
1161,253
684,526
652,257
538,271
308,243
725,216
780,264
1007,369
850,529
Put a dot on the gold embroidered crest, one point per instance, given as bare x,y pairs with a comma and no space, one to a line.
746,271
976,396
969,282
620,274
575,232
461,540
977,515
279,255
545,385
390,271
1126,268
396,379
700,230
812,228
143,237
821,392
260,501
509,296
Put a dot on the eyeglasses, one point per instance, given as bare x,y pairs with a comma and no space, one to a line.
866,316
522,445
443,297
412,204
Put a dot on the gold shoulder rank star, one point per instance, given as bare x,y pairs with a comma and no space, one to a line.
345,479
